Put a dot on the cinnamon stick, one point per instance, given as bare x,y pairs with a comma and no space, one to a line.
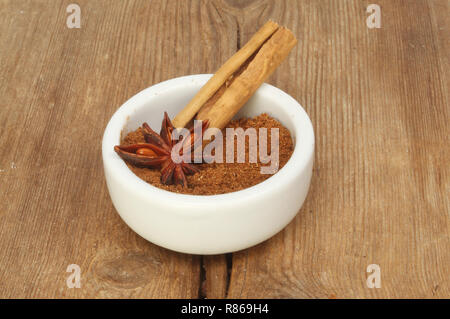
245,84
236,81
223,74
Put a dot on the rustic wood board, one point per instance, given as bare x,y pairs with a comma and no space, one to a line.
378,100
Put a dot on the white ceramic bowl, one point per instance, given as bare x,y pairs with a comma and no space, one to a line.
210,224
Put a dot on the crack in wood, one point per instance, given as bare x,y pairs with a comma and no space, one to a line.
229,261
202,282
238,36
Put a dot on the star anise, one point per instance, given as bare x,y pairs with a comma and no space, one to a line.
157,152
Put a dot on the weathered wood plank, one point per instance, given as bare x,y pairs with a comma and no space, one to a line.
378,102
59,87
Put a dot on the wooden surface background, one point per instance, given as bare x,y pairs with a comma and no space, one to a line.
378,100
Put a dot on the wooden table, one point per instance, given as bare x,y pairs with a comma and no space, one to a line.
378,99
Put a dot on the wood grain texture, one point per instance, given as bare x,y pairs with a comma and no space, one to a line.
59,88
378,100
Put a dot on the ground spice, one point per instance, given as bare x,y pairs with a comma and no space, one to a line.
220,178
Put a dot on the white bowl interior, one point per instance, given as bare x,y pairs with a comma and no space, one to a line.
152,110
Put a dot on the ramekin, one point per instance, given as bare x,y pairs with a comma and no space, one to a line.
210,224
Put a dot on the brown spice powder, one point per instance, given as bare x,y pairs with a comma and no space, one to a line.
221,178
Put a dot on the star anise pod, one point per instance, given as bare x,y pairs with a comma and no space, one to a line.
157,152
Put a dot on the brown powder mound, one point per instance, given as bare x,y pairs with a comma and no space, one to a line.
221,178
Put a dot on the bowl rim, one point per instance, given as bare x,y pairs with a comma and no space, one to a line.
303,147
